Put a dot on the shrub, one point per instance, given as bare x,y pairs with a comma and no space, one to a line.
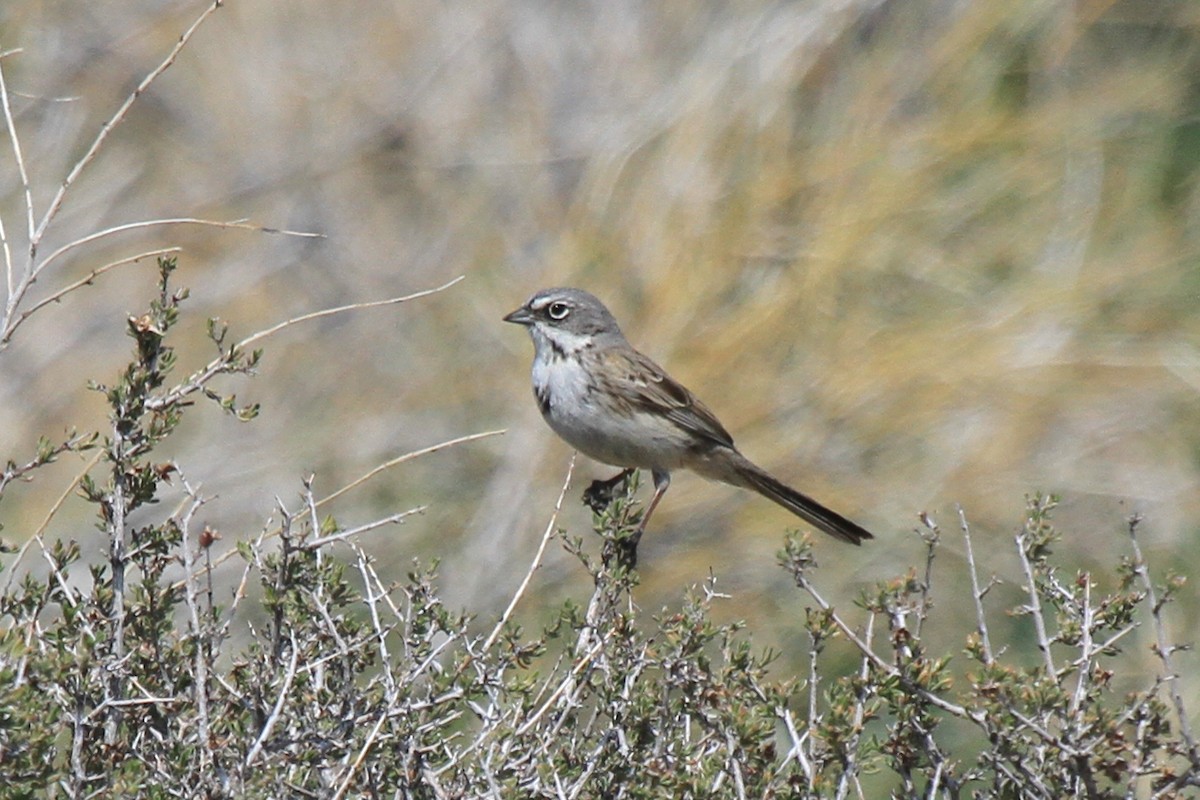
127,676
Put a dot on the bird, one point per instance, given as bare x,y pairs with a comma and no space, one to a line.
617,406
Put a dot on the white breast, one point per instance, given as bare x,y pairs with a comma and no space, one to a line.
562,379
576,412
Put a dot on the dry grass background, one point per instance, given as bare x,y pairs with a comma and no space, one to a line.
914,254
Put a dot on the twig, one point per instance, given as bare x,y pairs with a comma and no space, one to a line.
814,678
12,472
97,272
327,312
931,543
108,127
566,685
537,560
37,534
424,451
396,518
116,525
201,644
864,648
384,593
16,147
158,223
198,379
279,701
362,754
784,714
850,767
976,593
399,460
1035,606
18,285
239,593
371,598
8,262
1163,649
1087,651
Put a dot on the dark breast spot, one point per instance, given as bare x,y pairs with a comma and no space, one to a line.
543,398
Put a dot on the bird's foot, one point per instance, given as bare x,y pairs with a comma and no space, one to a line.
599,495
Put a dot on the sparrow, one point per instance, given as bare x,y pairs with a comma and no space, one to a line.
615,405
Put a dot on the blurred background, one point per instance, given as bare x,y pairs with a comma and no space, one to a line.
914,254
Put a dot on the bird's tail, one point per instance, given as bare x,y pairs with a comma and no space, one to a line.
745,473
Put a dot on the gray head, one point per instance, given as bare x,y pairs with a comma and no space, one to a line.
567,320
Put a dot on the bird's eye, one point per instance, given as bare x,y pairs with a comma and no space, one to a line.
558,310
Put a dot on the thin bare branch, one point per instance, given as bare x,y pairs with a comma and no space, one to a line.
37,534
159,223
398,460
200,660
20,159
976,592
8,262
433,448
1035,606
373,592
197,380
391,519
537,559
108,127
1087,652
784,714
931,539
328,312
85,281
279,702
850,768
1163,648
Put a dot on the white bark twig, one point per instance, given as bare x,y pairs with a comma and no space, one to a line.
200,661
945,705
20,160
197,380
279,703
537,560
228,554
976,592
159,223
328,312
59,294
1035,606
1163,649
18,285
107,128
409,456
391,519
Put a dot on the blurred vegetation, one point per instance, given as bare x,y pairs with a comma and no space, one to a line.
914,254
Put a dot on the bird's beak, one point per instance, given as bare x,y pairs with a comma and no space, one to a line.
521,316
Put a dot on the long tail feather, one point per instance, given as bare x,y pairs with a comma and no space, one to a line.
823,519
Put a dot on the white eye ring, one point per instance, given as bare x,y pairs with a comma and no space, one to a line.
558,310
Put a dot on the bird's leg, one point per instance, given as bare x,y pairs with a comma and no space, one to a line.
626,549
662,480
599,495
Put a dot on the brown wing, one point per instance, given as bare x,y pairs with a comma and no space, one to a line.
645,385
